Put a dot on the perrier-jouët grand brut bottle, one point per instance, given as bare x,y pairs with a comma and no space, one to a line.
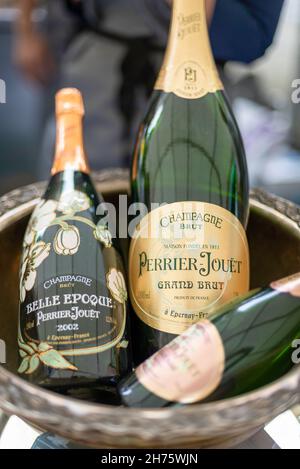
73,330
189,254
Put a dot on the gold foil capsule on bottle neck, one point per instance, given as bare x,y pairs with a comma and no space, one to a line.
69,152
69,100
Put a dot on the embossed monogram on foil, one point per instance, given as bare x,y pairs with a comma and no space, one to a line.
189,70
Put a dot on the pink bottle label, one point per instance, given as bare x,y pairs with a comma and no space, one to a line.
189,368
289,285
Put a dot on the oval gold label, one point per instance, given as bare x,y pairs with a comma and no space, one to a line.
185,260
189,368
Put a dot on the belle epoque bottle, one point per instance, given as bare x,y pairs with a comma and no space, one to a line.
73,326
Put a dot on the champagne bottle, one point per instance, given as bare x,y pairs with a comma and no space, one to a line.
247,344
190,157
73,327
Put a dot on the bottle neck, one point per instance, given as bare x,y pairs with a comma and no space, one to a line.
69,153
189,68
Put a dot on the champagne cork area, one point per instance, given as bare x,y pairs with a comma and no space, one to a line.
189,70
69,100
69,152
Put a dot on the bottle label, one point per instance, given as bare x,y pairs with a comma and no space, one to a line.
70,306
289,285
186,259
74,314
189,368
189,70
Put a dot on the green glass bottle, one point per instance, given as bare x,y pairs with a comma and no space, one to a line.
248,343
190,157
73,327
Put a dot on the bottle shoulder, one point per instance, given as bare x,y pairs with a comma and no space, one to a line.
197,121
191,150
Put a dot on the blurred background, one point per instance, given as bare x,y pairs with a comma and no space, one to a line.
261,94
